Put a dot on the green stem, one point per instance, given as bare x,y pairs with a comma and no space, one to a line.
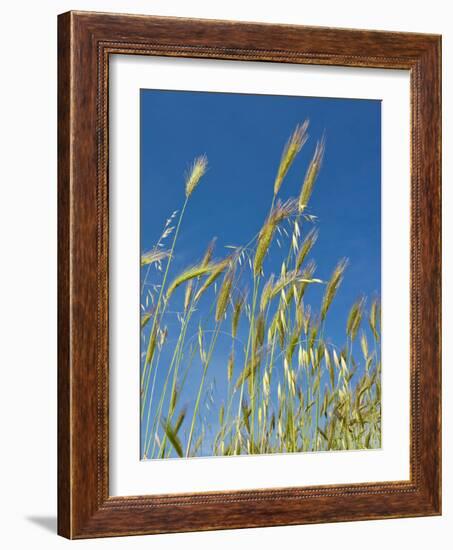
179,354
164,280
200,389
158,415
249,339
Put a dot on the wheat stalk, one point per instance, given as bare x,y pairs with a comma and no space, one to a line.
311,175
153,256
224,295
333,286
283,401
280,212
187,275
292,148
195,173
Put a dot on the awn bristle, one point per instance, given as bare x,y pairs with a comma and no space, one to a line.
280,212
293,277
151,346
249,370
266,384
217,269
292,148
153,256
187,275
209,251
374,319
292,344
355,318
237,308
224,296
188,294
145,319
307,245
266,292
196,172
307,274
310,177
259,331
204,262
333,286
162,336
364,345
230,367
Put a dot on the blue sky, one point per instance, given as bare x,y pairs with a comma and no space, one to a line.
243,137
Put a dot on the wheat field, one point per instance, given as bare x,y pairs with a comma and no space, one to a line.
286,385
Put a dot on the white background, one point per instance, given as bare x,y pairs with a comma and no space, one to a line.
28,273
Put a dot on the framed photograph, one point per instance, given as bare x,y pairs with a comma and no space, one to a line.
249,275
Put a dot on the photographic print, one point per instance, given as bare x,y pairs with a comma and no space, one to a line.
260,275
235,201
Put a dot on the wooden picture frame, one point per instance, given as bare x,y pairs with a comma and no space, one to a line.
85,42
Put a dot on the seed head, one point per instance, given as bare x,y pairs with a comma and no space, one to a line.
292,148
310,177
280,212
196,172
